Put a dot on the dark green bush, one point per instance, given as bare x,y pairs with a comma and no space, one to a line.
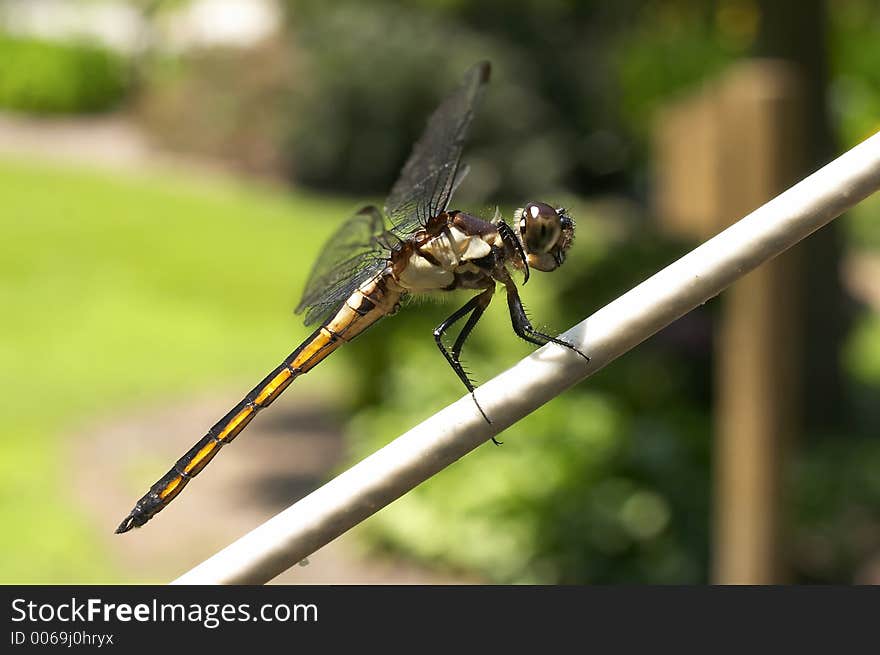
574,84
53,78
855,67
836,535
374,74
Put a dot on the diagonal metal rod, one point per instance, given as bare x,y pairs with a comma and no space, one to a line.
436,443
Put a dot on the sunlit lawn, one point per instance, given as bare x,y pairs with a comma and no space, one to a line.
117,290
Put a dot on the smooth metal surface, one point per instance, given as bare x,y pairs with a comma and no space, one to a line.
429,447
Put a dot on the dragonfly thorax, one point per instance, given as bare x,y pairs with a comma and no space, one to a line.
454,253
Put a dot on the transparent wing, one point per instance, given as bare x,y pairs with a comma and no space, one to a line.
460,174
353,254
429,177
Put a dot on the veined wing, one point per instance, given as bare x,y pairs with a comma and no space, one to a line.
353,254
430,175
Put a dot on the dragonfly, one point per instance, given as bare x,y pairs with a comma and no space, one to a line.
375,261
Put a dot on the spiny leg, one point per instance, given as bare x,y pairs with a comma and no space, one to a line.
483,301
523,326
508,236
476,306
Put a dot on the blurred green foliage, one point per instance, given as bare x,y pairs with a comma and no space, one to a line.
45,77
575,87
863,354
855,61
377,71
836,503
570,105
580,491
668,50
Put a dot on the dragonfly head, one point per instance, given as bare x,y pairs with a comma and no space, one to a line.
546,234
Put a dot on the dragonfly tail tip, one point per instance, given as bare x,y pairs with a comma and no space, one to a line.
126,525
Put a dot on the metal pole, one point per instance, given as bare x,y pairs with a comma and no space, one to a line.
429,447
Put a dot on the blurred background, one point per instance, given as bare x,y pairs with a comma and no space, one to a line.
169,170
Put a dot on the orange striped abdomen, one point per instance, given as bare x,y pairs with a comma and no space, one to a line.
374,299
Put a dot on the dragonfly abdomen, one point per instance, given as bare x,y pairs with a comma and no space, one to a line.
374,299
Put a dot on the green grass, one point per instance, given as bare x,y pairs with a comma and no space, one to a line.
118,290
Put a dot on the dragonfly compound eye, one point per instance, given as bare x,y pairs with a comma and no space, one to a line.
546,234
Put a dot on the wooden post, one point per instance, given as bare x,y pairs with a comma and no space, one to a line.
740,141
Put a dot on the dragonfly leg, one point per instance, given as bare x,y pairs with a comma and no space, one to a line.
508,236
476,306
482,302
523,326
